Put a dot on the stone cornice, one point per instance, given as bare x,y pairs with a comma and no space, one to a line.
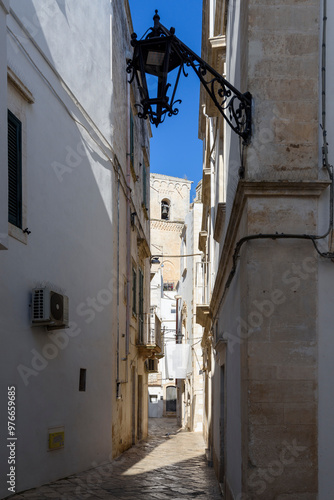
166,225
19,86
280,188
249,189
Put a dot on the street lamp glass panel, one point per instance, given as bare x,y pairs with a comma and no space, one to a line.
155,58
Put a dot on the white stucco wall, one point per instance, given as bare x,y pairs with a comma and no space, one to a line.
226,329
71,205
4,9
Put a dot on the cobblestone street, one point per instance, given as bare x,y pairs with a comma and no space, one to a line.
170,464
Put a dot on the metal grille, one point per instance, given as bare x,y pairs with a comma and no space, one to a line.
38,304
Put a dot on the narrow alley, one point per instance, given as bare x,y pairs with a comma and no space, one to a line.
169,464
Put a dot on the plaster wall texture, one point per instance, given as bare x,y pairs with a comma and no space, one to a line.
72,198
156,409
192,401
3,135
270,312
283,62
325,291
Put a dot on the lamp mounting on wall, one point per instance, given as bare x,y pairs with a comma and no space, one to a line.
159,53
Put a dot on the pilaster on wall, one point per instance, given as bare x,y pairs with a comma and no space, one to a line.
278,332
283,69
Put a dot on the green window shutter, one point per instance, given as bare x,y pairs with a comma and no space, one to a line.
131,140
144,185
14,170
141,307
134,291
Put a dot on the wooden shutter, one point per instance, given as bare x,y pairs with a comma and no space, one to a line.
14,170
134,291
144,185
141,307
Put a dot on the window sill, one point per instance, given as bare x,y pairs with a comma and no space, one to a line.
17,233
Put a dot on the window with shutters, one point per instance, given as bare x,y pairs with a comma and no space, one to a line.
134,291
132,140
141,308
144,185
14,170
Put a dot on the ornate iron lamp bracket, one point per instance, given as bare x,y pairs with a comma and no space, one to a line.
235,106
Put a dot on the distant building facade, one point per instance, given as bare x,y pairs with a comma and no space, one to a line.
169,204
191,289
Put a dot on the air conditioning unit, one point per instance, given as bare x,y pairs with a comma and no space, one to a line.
50,309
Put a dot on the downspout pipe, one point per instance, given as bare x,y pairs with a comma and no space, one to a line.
117,345
128,229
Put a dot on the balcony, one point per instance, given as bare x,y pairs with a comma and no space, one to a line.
202,296
149,342
202,314
202,283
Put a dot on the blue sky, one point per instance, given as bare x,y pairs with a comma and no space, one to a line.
175,147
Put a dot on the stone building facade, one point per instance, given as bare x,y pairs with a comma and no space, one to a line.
265,234
74,222
169,205
191,289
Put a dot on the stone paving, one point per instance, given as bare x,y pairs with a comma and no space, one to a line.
169,464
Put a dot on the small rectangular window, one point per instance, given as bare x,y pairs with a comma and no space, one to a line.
168,286
82,380
151,365
14,170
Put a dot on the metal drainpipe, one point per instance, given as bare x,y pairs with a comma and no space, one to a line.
117,348
177,322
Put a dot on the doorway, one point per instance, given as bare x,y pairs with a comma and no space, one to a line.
171,399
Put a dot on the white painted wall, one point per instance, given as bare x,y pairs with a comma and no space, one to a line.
223,187
4,9
71,202
227,324
156,408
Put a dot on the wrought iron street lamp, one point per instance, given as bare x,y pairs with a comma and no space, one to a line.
158,54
